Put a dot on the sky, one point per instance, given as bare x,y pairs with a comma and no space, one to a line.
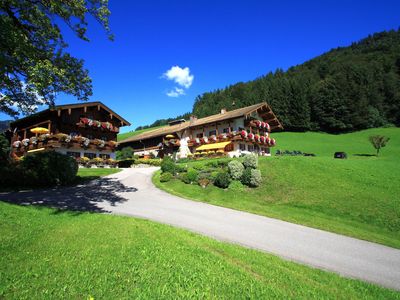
166,53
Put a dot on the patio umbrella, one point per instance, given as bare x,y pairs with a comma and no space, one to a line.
39,130
169,136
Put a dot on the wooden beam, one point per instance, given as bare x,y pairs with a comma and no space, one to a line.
69,111
98,107
59,113
111,116
85,109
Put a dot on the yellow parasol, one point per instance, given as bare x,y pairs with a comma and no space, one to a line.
169,136
39,130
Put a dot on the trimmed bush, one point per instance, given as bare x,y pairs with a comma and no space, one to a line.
165,177
184,178
251,177
49,168
235,169
192,175
222,179
152,161
168,165
236,185
250,161
255,178
246,177
126,163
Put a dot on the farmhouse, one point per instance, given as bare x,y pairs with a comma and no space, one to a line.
231,132
80,130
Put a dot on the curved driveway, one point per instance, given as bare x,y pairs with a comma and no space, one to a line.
132,193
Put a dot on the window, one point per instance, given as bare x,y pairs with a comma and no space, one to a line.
105,156
226,130
240,128
90,155
212,132
250,148
199,135
74,154
242,147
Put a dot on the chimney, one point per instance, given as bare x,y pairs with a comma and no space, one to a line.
223,110
193,119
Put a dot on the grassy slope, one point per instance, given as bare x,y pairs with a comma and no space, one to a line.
357,197
124,136
87,174
45,254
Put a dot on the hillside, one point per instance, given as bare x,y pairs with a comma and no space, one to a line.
346,89
124,136
356,197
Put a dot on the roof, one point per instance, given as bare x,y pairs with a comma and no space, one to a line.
213,146
75,105
199,122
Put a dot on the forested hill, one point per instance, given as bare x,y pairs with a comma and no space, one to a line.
346,89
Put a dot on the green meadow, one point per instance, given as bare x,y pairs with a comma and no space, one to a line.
125,135
47,254
358,196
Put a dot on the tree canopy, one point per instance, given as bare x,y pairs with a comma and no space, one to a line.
34,63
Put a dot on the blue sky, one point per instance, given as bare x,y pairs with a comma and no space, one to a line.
220,42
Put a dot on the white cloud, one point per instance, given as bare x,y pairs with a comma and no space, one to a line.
181,76
176,92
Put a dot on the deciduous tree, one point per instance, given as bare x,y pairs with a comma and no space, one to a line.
34,63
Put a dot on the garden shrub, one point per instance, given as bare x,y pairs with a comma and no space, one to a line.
214,175
192,175
152,161
222,179
49,168
12,175
250,161
236,185
255,178
126,163
168,165
251,177
184,178
203,182
165,177
124,153
235,169
246,176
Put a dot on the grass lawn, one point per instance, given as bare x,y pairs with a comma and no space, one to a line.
45,254
86,174
357,197
124,136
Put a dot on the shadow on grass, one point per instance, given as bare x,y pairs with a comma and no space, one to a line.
78,198
364,154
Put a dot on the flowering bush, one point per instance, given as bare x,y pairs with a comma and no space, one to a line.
255,178
82,160
97,161
111,162
236,169
250,161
